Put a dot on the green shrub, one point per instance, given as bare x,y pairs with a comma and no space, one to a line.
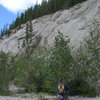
5,73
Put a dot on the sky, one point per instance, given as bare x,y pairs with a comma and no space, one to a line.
9,9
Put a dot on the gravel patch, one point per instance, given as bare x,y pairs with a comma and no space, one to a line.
70,98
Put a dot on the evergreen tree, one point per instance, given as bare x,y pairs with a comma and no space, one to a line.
29,31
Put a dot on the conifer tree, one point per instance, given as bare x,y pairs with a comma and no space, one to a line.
29,30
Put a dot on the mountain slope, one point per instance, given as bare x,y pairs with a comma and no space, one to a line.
74,23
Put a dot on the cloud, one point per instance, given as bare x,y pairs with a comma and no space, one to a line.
18,5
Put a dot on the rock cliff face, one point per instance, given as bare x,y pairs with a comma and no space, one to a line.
74,22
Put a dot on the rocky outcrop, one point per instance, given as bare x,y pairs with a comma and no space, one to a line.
74,22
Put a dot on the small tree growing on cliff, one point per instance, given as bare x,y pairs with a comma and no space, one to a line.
28,40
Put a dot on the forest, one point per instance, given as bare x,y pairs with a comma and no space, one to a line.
37,11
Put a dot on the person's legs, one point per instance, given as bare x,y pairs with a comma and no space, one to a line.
66,97
61,97
58,98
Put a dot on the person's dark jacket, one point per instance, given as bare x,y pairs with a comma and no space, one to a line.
66,89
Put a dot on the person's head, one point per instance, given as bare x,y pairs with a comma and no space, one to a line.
62,80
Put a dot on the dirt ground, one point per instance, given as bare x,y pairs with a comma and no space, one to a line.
51,98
